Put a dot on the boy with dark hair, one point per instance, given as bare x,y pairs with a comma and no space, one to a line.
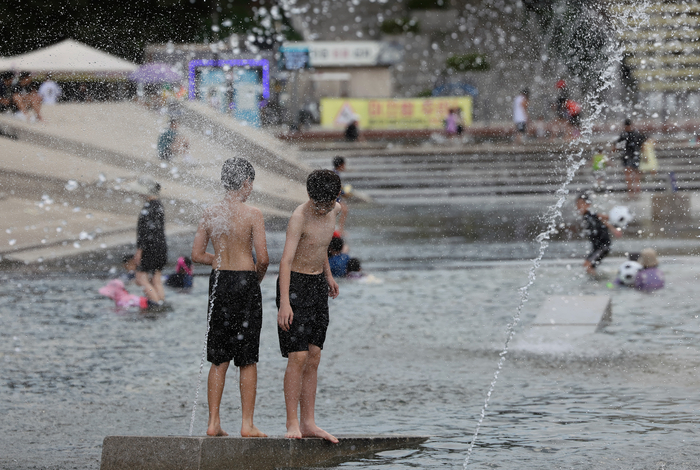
338,164
235,301
598,230
338,257
304,284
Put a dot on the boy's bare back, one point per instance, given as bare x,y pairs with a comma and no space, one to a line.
234,229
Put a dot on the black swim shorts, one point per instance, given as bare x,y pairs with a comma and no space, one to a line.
236,317
631,162
596,256
308,296
152,261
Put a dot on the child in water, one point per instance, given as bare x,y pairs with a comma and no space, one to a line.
234,229
598,230
116,291
650,277
182,278
305,282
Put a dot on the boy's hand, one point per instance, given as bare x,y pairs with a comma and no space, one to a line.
285,317
333,289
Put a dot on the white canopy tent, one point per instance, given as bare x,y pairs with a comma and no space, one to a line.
70,59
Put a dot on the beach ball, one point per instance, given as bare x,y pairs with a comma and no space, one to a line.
620,216
628,272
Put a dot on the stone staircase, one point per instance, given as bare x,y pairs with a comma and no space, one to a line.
419,176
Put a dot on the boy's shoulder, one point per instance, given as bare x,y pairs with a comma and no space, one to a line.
222,210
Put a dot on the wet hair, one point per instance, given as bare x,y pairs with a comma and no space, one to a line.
7,76
336,245
127,258
154,190
338,162
235,172
525,92
323,186
628,122
354,265
585,197
188,261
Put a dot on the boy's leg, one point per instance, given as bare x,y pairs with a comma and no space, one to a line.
248,386
157,282
215,389
149,290
308,396
292,391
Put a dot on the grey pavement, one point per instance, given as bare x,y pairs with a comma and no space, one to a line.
67,183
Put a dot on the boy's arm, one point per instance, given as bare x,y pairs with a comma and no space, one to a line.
606,220
199,247
294,231
333,289
260,245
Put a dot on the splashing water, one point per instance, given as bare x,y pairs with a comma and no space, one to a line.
574,161
206,336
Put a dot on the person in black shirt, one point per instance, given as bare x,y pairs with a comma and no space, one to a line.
6,104
634,140
151,246
352,132
598,230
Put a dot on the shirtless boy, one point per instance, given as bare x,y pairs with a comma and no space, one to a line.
234,229
304,284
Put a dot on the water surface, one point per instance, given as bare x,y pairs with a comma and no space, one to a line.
412,355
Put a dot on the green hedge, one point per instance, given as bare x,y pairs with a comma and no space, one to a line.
427,4
469,63
400,26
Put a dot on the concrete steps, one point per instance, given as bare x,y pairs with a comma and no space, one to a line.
398,176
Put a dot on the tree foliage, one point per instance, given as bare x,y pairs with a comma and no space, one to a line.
400,26
577,33
473,62
124,27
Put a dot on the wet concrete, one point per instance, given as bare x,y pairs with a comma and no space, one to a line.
222,453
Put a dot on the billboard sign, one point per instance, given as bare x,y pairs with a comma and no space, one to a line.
410,113
348,53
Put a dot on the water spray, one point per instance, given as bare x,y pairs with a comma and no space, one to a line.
206,337
574,160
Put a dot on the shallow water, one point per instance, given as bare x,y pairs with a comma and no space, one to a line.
412,355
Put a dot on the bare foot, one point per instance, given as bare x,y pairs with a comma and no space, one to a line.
315,431
251,431
216,431
293,431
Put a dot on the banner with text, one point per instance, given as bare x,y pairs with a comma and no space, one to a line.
409,113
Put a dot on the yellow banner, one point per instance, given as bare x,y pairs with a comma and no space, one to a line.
410,113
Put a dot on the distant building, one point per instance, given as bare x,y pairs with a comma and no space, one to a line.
346,69
662,57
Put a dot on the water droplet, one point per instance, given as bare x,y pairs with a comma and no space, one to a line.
12,242
71,185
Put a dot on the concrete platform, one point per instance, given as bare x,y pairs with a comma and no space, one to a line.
575,314
225,453
567,324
